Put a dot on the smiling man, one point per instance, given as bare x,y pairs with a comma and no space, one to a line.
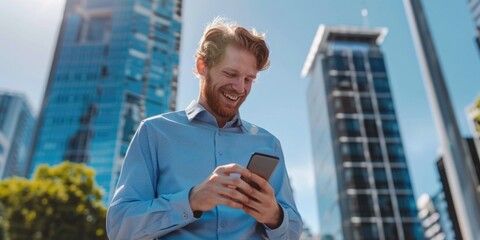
184,174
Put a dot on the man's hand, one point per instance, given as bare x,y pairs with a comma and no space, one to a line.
262,205
221,188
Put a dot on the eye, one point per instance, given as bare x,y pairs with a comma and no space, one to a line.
230,75
248,80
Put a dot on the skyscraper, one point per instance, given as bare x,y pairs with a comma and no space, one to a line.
452,213
466,197
115,63
362,179
16,129
475,9
474,153
434,214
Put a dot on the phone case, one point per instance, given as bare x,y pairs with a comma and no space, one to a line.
263,165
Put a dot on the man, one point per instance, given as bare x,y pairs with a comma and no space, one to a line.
181,175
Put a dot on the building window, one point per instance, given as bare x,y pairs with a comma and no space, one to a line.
385,106
359,62
361,205
412,231
401,178
407,206
371,128
348,127
357,178
390,129
362,84
390,230
381,85
380,177
352,152
385,205
395,152
344,105
99,29
338,62
342,83
377,64
375,152
365,231
366,103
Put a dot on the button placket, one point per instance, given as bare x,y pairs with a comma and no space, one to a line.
219,134
223,224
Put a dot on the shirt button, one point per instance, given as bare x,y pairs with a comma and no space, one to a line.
220,153
185,215
223,223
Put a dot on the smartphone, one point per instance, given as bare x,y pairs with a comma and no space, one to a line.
263,165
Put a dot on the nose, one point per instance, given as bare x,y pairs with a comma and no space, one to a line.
239,85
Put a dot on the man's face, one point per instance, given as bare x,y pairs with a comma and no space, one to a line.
226,85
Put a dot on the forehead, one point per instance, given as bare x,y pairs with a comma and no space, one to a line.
239,60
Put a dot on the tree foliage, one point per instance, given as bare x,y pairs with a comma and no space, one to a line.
60,202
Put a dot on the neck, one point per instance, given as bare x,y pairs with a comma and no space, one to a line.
221,121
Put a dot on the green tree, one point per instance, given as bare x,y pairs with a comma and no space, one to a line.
60,202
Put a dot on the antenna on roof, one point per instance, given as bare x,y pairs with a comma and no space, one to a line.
364,13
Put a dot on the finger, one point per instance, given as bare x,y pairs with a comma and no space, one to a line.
235,195
255,205
239,184
220,195
252,212
226,201
233,168
262,183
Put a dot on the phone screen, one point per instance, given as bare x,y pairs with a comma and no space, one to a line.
263,165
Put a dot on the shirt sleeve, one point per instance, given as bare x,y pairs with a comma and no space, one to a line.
292,225
136,212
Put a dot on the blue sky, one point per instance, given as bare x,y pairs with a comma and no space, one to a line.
277,102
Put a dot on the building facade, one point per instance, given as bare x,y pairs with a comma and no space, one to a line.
474,153
454,152
475,9
452,213
434,214
16,129
362,179
115,63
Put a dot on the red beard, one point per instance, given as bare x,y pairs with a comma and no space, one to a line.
214,98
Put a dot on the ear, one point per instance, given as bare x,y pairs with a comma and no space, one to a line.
201,66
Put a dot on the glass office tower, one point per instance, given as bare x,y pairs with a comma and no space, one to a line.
473,150
455,155
435,217
475,9
16,129
362,179
115,63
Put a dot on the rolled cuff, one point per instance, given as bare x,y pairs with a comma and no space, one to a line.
281,231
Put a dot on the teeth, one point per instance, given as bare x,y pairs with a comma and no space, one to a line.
231,97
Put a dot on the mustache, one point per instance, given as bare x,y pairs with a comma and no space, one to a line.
230,90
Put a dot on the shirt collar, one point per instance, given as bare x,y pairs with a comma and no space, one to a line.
196,111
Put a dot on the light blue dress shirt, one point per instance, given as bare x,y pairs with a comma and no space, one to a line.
173,152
